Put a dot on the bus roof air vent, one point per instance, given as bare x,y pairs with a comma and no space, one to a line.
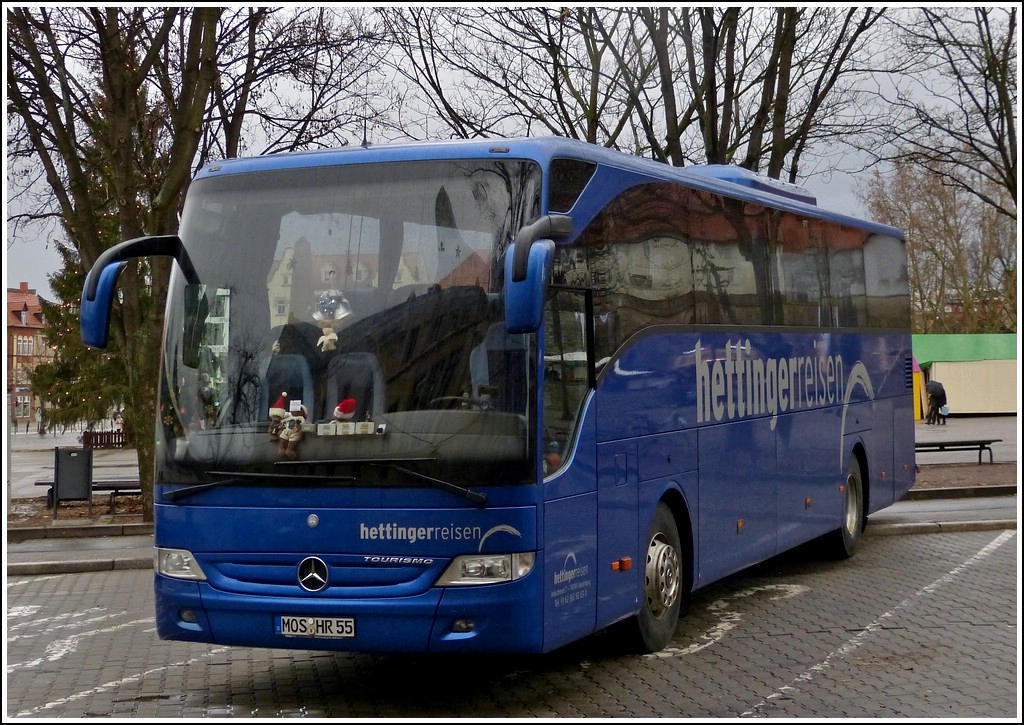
744,177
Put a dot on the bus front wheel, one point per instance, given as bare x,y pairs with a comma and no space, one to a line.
664,584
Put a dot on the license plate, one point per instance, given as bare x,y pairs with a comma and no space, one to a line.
326,627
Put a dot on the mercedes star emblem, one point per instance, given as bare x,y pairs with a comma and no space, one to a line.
313,574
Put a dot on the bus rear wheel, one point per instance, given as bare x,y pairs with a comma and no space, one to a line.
664,585
843,542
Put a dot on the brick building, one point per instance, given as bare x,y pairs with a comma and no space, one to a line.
26,348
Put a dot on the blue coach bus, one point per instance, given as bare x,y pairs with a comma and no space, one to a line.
498,395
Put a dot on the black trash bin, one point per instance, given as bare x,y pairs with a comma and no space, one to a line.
72,476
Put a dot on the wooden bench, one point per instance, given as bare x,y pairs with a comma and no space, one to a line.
980,445
114,486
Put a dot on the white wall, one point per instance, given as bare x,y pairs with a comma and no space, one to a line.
982,386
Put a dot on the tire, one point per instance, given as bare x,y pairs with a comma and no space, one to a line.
843,541
665,587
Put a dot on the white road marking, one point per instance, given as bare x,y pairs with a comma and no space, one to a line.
59,648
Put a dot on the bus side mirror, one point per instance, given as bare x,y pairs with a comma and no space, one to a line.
524,300
528,271
100,282
96,311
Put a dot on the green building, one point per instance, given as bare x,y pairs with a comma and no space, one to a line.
979,372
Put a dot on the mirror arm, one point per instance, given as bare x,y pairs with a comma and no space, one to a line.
549,226
167,245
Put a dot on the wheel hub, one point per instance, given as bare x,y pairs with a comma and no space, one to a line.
661,577
852,513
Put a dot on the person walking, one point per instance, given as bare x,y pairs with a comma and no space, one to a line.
936,401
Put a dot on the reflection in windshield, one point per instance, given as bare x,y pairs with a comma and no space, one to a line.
348,313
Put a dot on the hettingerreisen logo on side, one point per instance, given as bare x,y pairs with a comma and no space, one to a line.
743,383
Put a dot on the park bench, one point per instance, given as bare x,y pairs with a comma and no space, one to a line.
980,445
114,486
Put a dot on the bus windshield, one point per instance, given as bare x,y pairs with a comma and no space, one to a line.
350,314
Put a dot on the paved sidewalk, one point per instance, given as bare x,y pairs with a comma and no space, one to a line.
33,441
31,457
1003,428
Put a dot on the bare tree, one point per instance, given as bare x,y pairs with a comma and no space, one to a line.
79,86
958,100
764,88
494,72
117,107
962,251
294,79
758,87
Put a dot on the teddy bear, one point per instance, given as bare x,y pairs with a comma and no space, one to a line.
278,412
291,432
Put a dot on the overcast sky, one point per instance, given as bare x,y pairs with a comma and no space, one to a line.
28,258
30,262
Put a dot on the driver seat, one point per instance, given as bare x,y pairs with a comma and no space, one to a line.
497,366
354,375
286,373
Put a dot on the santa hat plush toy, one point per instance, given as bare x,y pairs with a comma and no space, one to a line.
278,412
345,409
280,408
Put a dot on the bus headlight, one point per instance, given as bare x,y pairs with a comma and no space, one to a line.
487,568
178,564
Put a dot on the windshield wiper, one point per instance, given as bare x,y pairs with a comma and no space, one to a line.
241,477
466,493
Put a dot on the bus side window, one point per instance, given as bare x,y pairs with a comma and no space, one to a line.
567,362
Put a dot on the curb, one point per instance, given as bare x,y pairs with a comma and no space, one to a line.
37,568
939,527
925,494
29,533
